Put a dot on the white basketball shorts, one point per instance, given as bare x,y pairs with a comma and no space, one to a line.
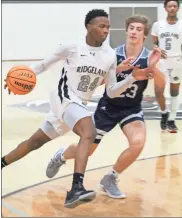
173,67
63,117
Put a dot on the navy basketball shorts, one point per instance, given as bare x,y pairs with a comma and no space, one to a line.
106,119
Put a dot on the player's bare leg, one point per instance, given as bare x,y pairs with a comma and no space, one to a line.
159,94
136,135
86,130
38,139
174,91
69,153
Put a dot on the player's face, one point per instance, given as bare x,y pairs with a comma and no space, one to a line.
135,33
172,8
99,29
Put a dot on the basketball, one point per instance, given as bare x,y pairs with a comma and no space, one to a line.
21,80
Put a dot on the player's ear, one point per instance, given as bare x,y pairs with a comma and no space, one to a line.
89,28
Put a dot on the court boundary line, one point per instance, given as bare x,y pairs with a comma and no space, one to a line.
90,170
13,210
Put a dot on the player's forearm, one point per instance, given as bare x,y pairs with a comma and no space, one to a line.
159,78
61,53
116,89
43,65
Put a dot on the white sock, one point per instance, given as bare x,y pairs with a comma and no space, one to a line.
60,156
113,172
164,111
174,107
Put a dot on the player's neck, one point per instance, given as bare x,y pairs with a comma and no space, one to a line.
91,42
133,50
172,20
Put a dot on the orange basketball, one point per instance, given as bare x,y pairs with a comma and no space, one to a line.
21,80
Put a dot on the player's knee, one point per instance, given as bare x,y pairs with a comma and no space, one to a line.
159,91
137,144
89,135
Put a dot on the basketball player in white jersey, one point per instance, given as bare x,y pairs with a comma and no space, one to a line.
167,34
86,64
124,111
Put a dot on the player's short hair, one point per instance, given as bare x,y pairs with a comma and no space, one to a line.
139,19
166,2
93,14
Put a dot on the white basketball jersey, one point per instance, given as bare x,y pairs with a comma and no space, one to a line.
84,69
169,36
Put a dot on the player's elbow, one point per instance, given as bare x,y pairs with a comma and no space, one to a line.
111,93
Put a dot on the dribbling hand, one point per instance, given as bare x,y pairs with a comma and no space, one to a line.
6,86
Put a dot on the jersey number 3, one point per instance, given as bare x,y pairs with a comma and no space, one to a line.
86,84
131,92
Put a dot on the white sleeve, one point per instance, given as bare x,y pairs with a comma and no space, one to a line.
61,53
154,31
114,88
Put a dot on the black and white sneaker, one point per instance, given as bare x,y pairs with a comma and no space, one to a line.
78,195
172,128
164,119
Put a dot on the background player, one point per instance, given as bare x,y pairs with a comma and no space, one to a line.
167,34
86,64
125,110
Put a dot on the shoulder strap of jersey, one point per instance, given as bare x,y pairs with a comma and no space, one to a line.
120,50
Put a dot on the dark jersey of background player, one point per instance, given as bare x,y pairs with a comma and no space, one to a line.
132,97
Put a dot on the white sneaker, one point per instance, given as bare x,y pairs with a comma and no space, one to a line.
109,186
55,164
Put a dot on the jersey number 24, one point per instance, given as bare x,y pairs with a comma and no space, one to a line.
86,83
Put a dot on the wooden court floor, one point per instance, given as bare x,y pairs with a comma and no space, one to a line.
153,185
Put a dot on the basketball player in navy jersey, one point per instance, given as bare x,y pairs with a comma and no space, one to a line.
87,63
125,110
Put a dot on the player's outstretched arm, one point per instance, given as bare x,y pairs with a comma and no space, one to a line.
114,88
61,53
124,65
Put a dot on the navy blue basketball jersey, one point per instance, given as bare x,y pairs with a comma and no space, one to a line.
132,96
